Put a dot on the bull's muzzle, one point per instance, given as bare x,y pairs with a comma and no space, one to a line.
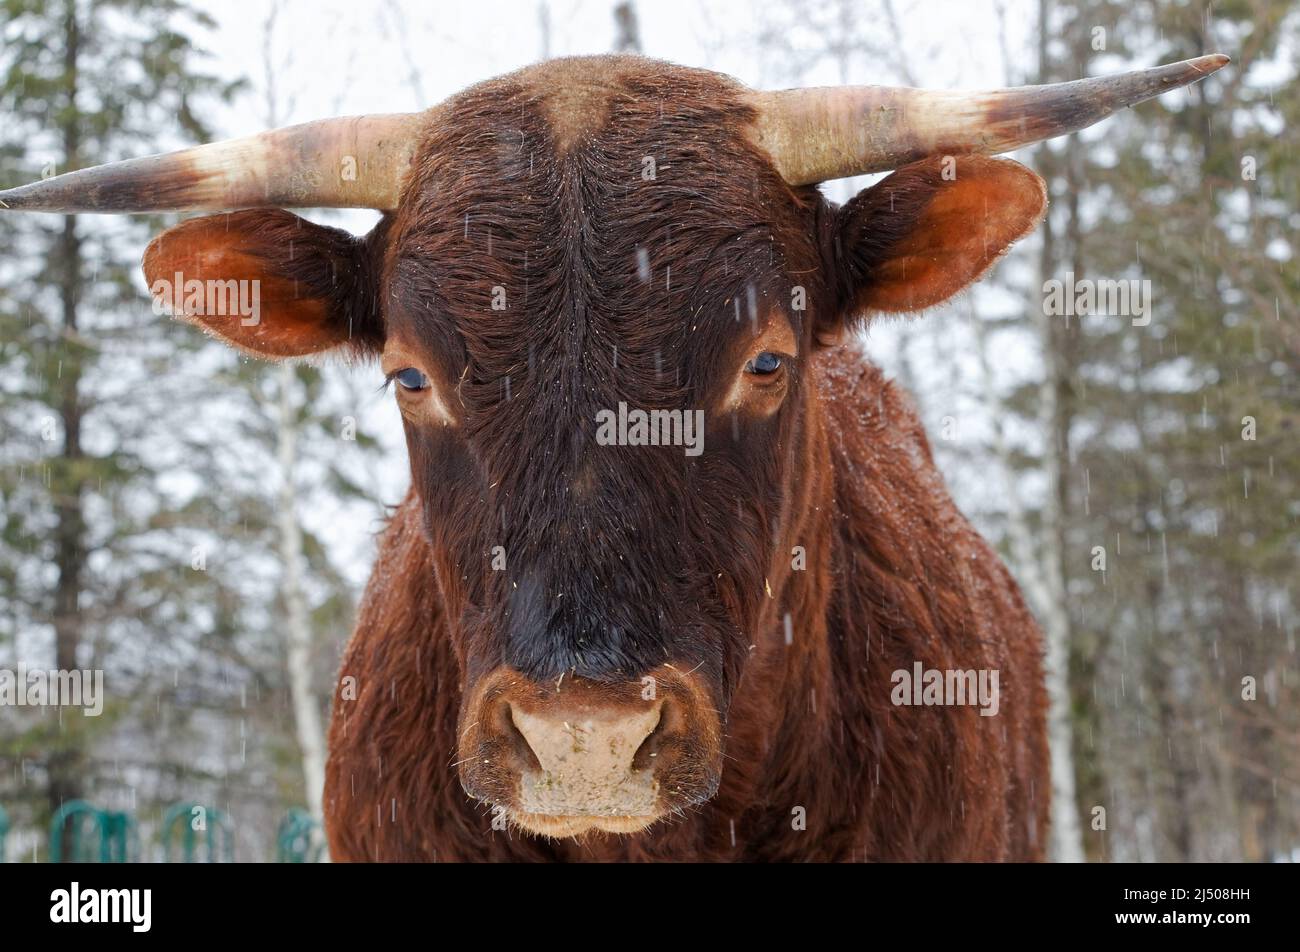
575,756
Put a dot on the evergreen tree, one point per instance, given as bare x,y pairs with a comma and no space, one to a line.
1176,436
84,360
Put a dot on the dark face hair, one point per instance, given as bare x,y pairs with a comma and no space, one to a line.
626,266
585,234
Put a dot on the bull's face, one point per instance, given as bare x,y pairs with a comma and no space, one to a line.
597,300
599,344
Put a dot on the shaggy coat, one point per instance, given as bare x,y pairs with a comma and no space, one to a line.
595,232
902,577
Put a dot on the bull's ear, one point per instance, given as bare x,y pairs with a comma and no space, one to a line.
917,237
270,283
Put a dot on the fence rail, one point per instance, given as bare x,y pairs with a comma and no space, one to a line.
190,833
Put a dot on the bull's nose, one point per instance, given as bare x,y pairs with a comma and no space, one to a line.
572,756
589,763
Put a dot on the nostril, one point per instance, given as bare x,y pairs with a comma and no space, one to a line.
646,754
503,720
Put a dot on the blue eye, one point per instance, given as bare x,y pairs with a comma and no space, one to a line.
411,379
764,364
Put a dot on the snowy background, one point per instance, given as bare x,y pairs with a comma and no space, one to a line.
1058,438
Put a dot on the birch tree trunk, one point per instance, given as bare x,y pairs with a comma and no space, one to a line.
306,712
1067,837
1066,844
297,620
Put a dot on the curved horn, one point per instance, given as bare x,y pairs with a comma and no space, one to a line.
814,135
352,162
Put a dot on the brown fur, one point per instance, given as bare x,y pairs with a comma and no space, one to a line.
902,576
653,290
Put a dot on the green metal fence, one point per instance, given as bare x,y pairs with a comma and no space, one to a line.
299,840
190,833
205,834
81,833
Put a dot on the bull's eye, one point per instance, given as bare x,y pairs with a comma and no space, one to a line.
411,379
764,364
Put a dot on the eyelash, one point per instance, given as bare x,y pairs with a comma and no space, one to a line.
391,378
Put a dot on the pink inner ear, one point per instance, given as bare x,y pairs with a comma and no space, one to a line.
169,291
232,276
947,241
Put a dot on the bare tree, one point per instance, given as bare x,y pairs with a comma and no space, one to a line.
1054,420
298,632
544,28
627,32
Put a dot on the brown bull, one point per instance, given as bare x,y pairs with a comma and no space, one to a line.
676,577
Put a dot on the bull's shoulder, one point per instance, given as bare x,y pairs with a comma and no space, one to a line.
897,524
913,582
875,433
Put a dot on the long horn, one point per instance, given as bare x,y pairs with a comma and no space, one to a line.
352,162
814,135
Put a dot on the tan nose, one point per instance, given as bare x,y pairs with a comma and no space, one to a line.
588,761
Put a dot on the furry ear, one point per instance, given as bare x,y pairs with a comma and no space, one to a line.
270,283
917,237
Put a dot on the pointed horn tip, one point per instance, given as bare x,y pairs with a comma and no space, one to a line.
19,199
16,200
11,203
1211,62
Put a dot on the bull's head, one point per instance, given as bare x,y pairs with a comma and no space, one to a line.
566,248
